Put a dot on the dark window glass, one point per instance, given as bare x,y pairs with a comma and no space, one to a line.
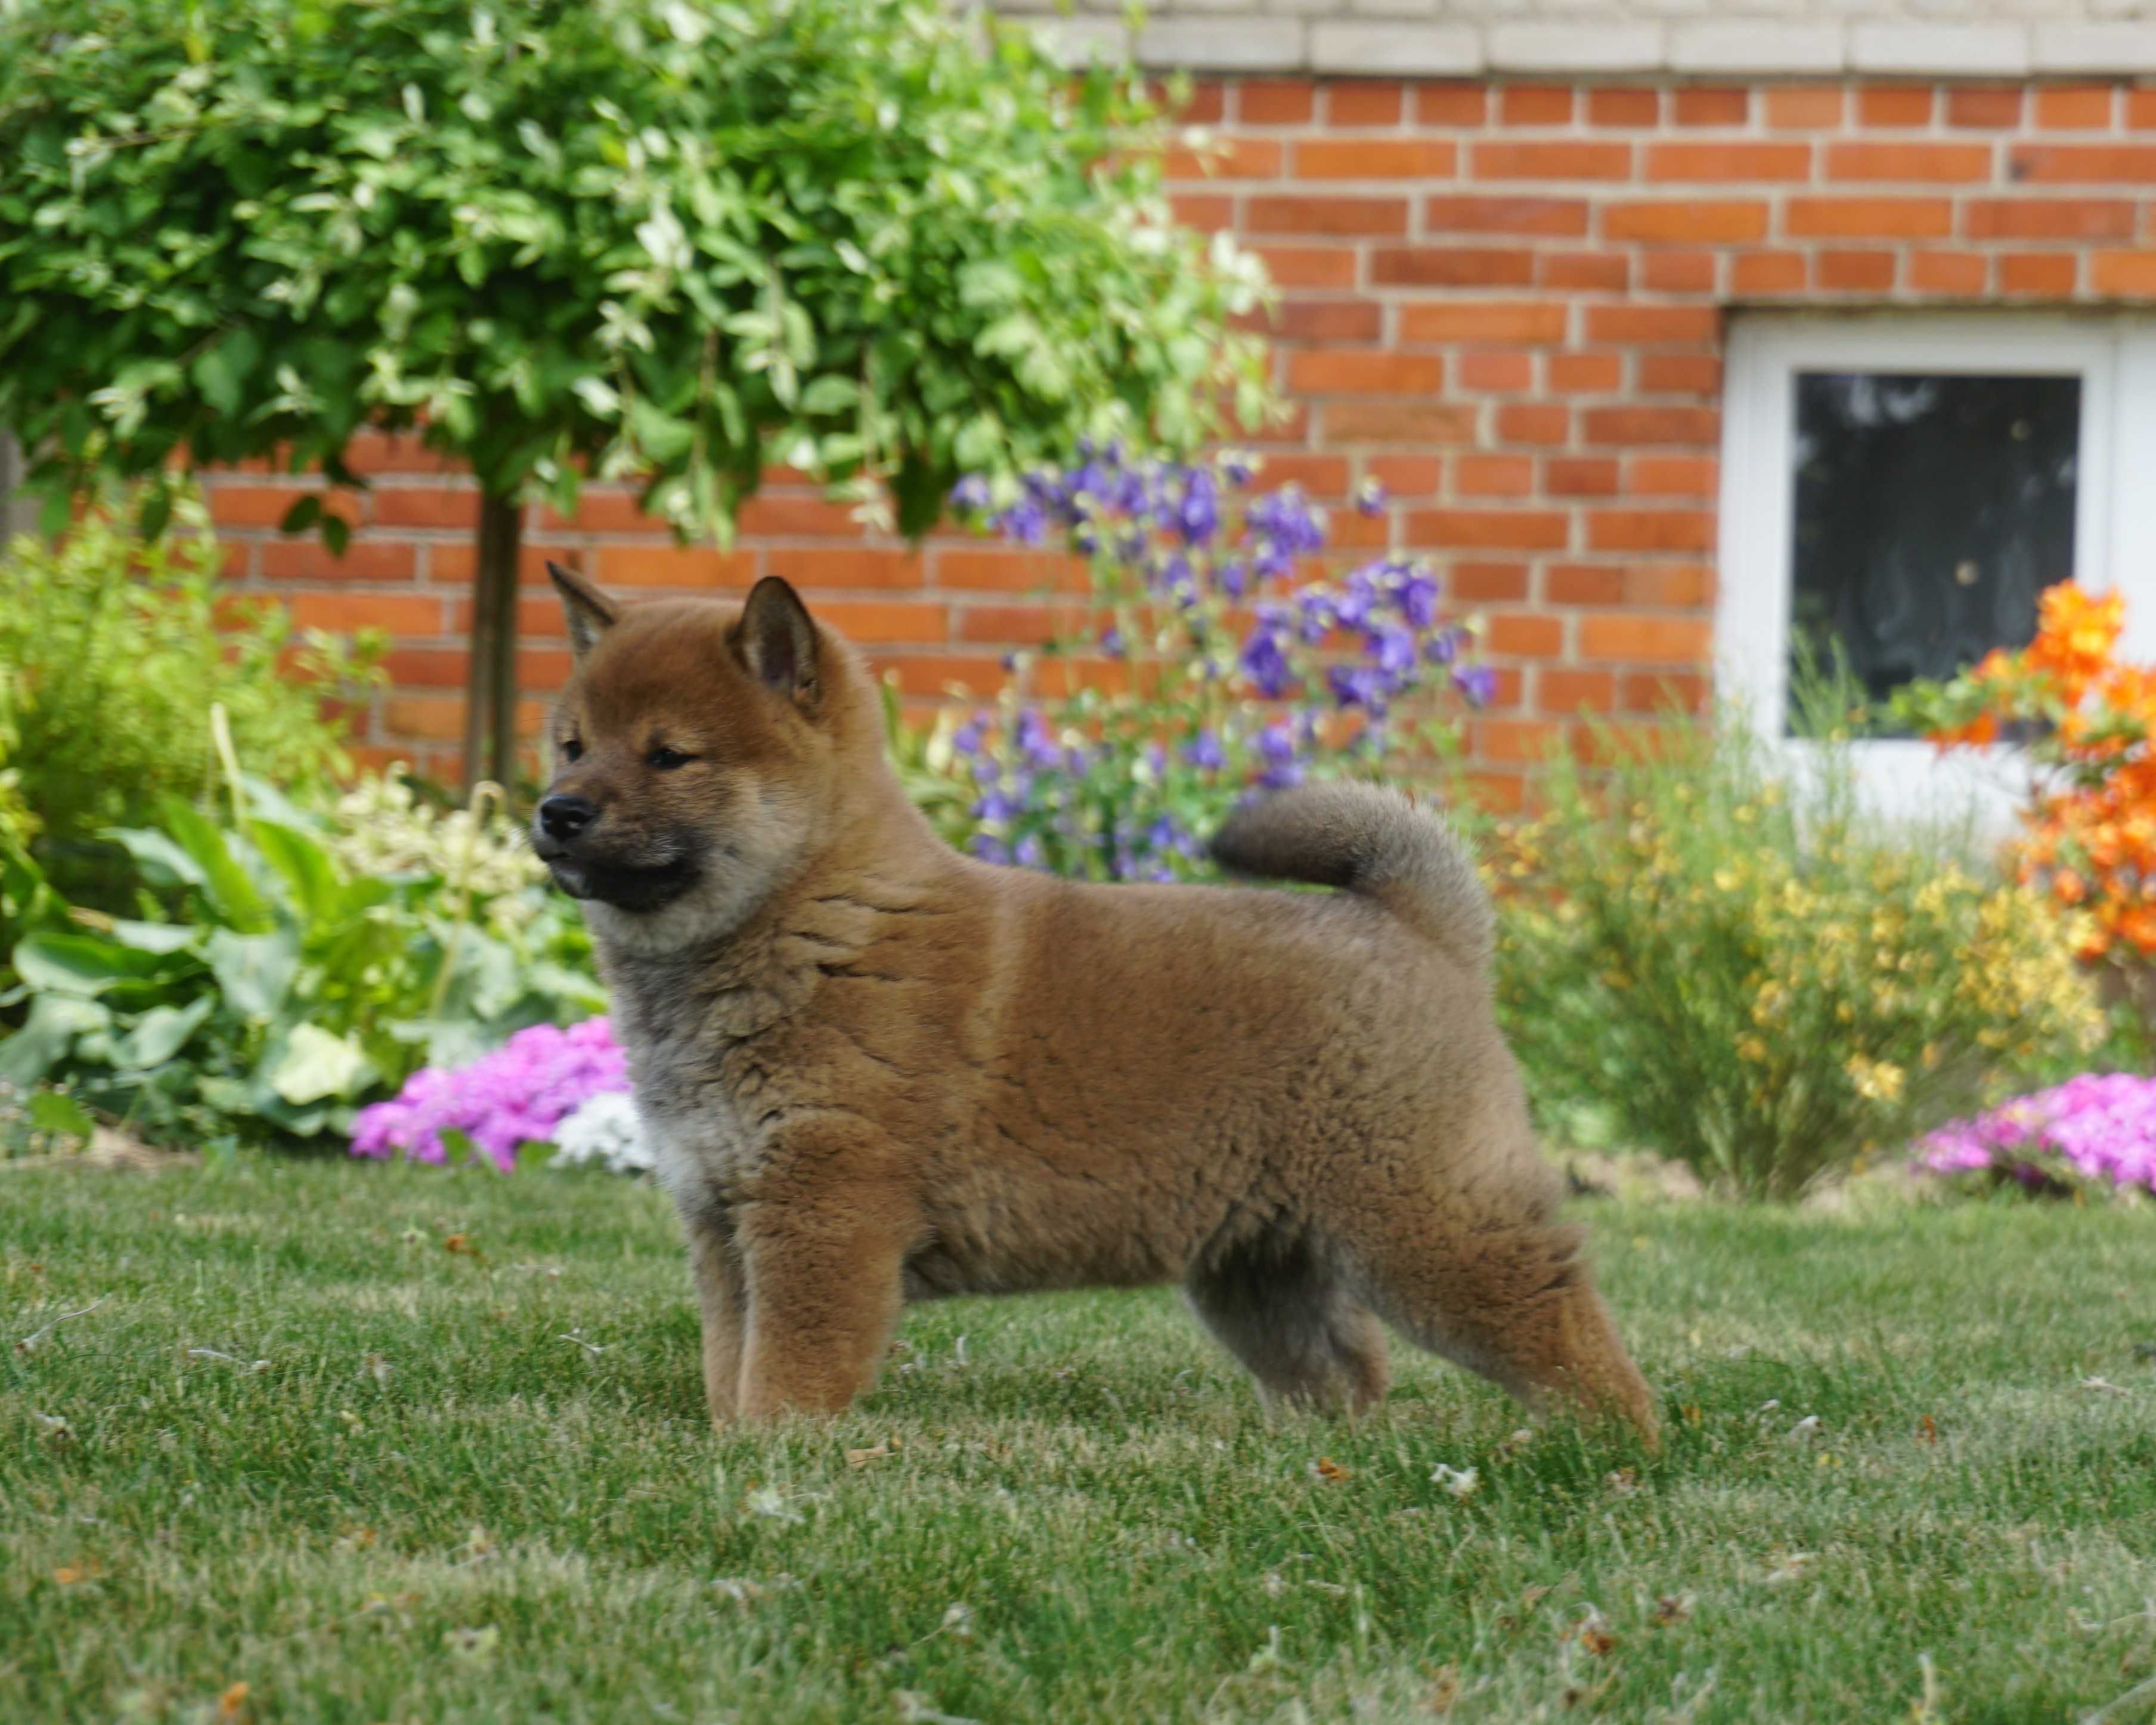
1930,513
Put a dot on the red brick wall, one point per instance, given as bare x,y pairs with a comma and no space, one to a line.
1505,302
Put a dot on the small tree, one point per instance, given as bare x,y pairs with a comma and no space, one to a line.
672,241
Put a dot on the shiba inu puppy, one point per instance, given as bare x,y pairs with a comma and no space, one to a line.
875,1071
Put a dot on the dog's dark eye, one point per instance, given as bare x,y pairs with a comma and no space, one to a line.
572,750
666,758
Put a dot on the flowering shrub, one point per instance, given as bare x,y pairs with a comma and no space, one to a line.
381,828
2086,721
498,1104
2098,1129
1762,994
1229,675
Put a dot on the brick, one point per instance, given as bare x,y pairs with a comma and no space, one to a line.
1564,217
1309,266
435,717
1985,107
1529,635
1728,160
2048,218
1680,374
979,675
1529,321
1552,160
1930,164
885,623
2075,107
1207,104
232,506
383,452
1370,218
1579,476
1322,476
1672,475
2128,273
2049,274
1386,422
1502,529
1226,158
1328,320
1894,104
1659,324
1672,639
633,565
1363,103
1691,220
537,618
1494,475
1650,529
1376,158
1626,105
1275,101
1699,426
1496,368
1480,583
1451,266
1592,272
1667,272
1947,272
1704,107
845,566
1671,586
1805,107
1585,372
426,506
454,562
399,614
1584,584
306,559
1768,273
1534,422
1534,104
1685,692
599,510
1338,371
1854,272
1870,217
1441,104
1407,475
982,570
2141,109
1499,792
1205,212
783,514
1516,739
1027,625
2082,164
1559,689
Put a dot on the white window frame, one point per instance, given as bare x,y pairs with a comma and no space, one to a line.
2114,355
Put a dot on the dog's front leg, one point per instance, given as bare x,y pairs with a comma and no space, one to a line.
825,1289
722,1294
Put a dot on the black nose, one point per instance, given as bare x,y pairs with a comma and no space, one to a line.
564,817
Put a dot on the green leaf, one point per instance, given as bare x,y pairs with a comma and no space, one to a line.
161,1033
155,937
52,1112
223,882
317,1066
221,372
255,971
82,964
337,534
302,514
305,867
43,1039
163,862
830,394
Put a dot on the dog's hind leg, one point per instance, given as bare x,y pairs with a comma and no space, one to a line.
1510,1299
1282,1310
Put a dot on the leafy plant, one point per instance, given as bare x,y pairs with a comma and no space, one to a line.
1693,963
673,241
1222,677
283,990
113,649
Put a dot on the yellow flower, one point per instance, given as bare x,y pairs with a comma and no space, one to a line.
1752,1048
1876,1080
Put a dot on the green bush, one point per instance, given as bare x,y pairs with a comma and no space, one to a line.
283,970
113,650
1695,960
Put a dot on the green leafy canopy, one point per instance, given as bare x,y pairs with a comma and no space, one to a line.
671,241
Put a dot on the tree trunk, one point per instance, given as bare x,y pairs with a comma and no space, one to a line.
490,690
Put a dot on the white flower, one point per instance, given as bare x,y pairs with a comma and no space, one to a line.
1460,1481
606,1131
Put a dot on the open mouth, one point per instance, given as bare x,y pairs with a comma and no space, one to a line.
625,886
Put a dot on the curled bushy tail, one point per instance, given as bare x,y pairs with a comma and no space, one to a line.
1372,841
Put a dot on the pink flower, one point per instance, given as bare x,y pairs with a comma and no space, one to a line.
513,1096
2101,1125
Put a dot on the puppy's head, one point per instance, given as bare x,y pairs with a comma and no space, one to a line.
697,750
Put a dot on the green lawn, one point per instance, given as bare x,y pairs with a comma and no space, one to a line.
431,1484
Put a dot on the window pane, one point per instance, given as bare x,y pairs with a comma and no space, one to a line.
1931,510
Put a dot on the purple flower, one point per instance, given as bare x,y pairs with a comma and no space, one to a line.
1276,748
970,494
1025,521
1204,753
1393,649
1198,513
1265,663
1476,683
1416,596
1112,643
1358,685
1369,497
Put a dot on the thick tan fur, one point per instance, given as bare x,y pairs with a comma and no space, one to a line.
877,1071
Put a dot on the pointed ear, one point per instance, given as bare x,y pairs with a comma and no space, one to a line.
776,643
591,613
